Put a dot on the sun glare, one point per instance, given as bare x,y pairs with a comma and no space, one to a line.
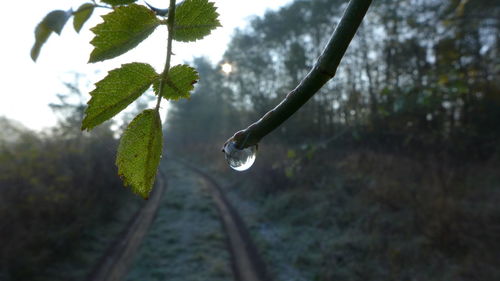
227,68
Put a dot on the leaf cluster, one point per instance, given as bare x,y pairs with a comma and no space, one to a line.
55,22
124,28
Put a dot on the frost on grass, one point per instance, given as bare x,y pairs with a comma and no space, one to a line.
186,241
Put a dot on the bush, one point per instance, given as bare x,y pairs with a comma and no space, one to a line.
52,188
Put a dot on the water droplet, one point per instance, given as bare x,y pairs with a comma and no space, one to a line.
240,159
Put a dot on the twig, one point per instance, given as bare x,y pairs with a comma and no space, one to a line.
324,70
170,26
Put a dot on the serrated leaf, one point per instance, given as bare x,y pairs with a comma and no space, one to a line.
52,22
116,91
194,19
122,30
180,81
118,2
82,15
139,152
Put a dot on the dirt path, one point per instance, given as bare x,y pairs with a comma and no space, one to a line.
246,262
114,266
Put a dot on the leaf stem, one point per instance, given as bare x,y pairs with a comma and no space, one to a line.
164,75
323,70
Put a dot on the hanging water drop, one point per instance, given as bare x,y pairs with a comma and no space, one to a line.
239,159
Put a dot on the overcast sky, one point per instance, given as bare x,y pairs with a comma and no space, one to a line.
27,88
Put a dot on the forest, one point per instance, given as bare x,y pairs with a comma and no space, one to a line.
390,172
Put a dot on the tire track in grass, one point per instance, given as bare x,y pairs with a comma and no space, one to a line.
246,262
115,263
194,250
187,240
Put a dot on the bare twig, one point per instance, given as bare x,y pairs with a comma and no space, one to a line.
324,70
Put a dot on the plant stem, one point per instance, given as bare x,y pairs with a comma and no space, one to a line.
323,70
164,74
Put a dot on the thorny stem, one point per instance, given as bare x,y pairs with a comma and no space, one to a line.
164,74
323,70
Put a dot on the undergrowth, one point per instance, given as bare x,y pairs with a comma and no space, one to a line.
365,215
60,204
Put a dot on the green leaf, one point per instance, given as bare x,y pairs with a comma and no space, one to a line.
56,20
82,15
194,19
52,22
139,152
122,30
42,33
118,2
180,81
116,91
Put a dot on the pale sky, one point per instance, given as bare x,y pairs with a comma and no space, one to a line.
26,88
